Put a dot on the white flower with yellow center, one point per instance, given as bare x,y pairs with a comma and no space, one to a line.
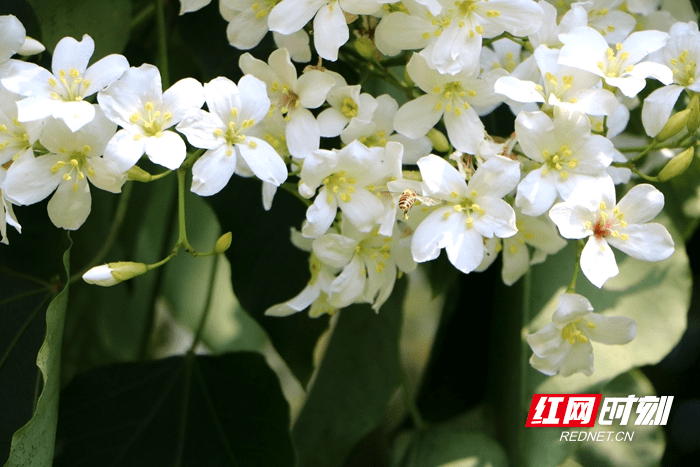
347,178
292,97
620,66
469,212
460,98
223,131
568,153
451,40
73,158
347,104
62,94
593,213
564,345
682,55
367,261
137,103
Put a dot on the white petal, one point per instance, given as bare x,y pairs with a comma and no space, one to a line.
290,16
641,204
330,31
435,233
658,107
415,118
106,176
535,194
69,207
331,122
70,53
186,94
349,285
441,178
302,132
648,242
496,177
199,127
312,88
30,179
363,210
518,90
254,101
516,261
598,261
334,250
611,330
129,93
499,219
213,170
578,359
167,150
104,72
75,114
465,130
546,341
263,160
571,307
125,150
466,251
320,215
571,219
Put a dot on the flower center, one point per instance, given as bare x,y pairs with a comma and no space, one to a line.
453,93
560,161
377,139
373,248
614,62
263,8
466,206
572,333
75,162
607,223
152,124
73,85
340,185
683,69
16,137
349,108
288,100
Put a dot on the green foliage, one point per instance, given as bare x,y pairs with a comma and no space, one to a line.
61,18
359,372
187,411
33,444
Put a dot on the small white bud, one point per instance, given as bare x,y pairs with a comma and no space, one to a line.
111,274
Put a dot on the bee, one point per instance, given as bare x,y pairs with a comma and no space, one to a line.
409,197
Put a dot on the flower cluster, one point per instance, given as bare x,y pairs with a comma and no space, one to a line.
406,178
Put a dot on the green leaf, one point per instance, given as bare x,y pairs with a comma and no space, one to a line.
648,443
452,444
266,269
33,444
193,410
61,18
359,373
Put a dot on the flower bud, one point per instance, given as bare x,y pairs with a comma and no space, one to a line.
223,243
677,165
110,274
438,140
31,47
138,174
694,117
674,125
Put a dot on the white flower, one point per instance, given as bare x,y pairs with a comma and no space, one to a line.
348,177
224,133
61,94
379,130
368,262
460,98
315,294
12,37
682,55
188,6
73,159
564,345
472,211
330,26
346,104
292,97
620,67
451,41
594,214
568,152
538,232
137,103
571,89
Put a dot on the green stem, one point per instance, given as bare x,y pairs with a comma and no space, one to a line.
22,295
162,44
207,304
161,175
524,361
291,187
182,224
114,229
574,277
410,402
